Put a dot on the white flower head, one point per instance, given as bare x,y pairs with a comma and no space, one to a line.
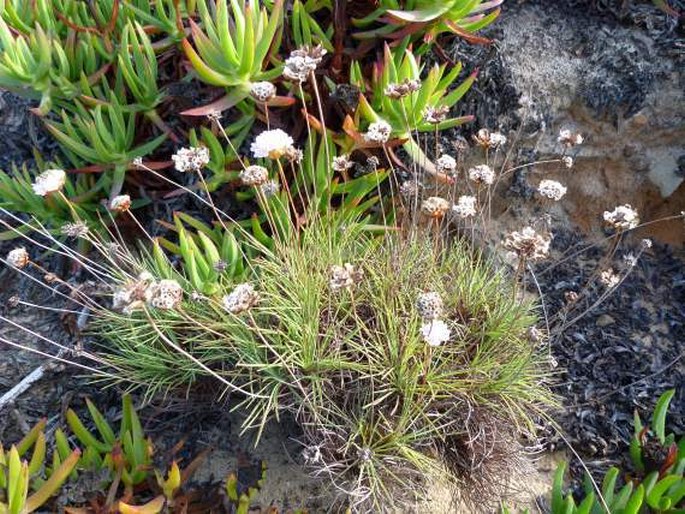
446,164
569,139
435,207
50,181
242,298
609,278
345,276
120,203
254,175
528,244
263,91
342,163
271,144
551,189
465,206
165,294
623,217
568,161
435,332
487,139
191,159
482,174
18,258
378,132
270,188
646,243
302,62
436,115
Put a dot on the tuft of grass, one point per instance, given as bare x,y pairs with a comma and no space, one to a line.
381,410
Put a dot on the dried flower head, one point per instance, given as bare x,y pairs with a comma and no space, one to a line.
120,203
270,188
482,174
405,88
13,301
49,278
131,295
242,298
272,144
435,332
571,296
50,181
165,294
535,335
568,161
18,258
345,276
465,206
137,162
214,115
609,278
410,188
342,163
254,175
312,455
551,189
429,305
220,266
446,164
302,62
569,139
378,132
435,207
491,140
645,244
623,217
436,115
528,244
191,159
293,154
263,91
77,229
630,260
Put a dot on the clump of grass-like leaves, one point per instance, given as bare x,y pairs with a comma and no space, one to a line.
340,340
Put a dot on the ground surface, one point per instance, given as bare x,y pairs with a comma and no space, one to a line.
616,359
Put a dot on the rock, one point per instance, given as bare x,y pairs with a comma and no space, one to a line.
608,69
605,320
